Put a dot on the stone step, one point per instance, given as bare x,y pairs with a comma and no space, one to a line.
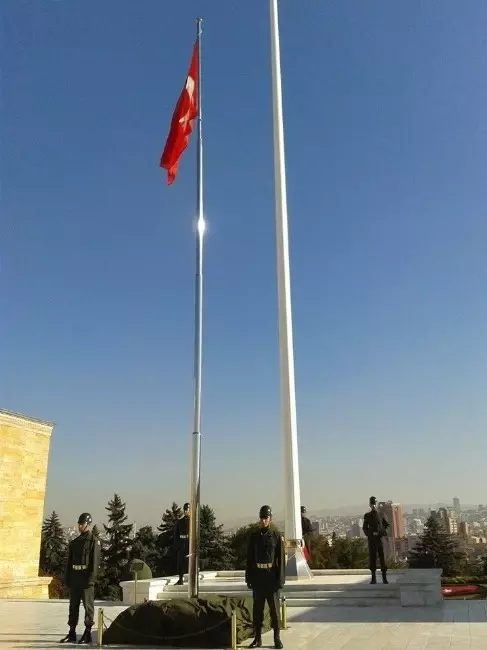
308,598
291,593
294,588
343,602
316,572
318,600
411,587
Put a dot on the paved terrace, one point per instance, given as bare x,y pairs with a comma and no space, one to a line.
454,625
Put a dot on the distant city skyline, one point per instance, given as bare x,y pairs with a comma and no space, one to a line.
235,521
466,525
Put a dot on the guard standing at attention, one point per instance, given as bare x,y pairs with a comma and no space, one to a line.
265,575
181,542
81,572
375,528
307,528
305,522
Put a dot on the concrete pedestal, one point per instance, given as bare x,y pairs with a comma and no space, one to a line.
421,587
296,566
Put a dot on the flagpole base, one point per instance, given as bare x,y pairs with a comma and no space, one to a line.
296,566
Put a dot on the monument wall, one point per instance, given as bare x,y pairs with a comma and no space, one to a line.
24,452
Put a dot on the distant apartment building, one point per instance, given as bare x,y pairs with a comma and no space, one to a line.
456,505
448,518
401,547
315,526
396,548
463,529
417,526
453,523
356,529
394,515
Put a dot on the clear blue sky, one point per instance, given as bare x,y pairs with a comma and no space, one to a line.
385,107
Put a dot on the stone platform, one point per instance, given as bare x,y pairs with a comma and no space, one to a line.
25,588
454,625
408,588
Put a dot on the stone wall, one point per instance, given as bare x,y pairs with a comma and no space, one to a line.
24,452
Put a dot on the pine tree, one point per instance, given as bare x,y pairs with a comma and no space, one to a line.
169,519
166,560
116,548
54,547
436,549
215,550
145,548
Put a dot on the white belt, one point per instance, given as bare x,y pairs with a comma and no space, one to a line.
183,536
80,567
265,566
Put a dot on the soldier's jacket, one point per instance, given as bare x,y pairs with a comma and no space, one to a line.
181,533
266,561
306,525
375,523
83,562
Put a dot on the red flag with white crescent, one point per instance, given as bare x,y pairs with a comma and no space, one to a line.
182,121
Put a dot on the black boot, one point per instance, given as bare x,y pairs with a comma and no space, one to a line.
374,579
257,642
384,578
70,637
179,583
277,640
86,638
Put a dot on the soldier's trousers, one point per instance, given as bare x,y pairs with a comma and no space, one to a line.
183,561
79,593
260,599
376,549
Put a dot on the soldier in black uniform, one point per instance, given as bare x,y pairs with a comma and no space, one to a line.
81,571
181,542
305,522
265,575
306,528
375,528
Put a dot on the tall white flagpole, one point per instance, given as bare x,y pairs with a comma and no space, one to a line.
194,527
296,566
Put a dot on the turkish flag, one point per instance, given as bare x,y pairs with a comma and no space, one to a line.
182,121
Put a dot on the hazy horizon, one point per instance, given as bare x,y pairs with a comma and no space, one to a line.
234,521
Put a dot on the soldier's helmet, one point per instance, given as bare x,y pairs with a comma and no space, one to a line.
186,507
372,501
264,512
85,518
303,509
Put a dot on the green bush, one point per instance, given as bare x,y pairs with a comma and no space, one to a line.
465,580
57,589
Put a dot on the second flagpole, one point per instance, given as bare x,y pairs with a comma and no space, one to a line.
296,566
194,532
